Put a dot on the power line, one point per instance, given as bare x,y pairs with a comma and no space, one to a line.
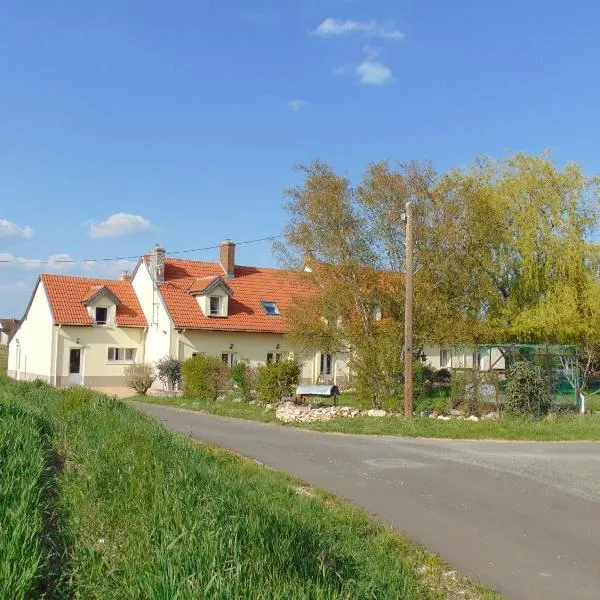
118,258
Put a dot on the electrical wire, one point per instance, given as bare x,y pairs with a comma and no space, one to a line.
118,258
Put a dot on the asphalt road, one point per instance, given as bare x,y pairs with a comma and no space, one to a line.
522,517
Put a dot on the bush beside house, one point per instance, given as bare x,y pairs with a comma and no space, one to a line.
205,377
278,379
140,377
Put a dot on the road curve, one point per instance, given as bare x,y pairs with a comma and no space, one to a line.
522,517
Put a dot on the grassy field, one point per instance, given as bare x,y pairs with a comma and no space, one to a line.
3,359
573,427
142,513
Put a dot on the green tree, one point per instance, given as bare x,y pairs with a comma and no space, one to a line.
501,255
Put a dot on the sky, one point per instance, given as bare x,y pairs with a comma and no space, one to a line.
127,123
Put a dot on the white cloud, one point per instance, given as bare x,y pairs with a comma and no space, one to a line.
8,230
297,104
339,71
373,72
119,224
331,27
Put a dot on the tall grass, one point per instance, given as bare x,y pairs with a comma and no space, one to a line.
24,454
3,359
145,514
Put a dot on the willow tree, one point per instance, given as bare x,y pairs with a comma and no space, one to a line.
500,246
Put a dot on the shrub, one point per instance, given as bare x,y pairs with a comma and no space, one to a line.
278,379
442,376
169,371
205,376
245,377
527,390
140,377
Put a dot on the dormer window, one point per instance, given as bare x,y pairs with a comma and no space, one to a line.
101,315
216,309
270,308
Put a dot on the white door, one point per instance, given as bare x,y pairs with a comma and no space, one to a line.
75,366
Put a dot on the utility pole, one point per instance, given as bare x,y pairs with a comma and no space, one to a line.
408,315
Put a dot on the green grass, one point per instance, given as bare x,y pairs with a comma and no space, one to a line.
143,513
572,427
3,359
24,459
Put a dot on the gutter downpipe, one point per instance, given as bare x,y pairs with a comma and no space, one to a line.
144,337
56,354
181,334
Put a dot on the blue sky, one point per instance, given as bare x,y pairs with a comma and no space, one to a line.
129,123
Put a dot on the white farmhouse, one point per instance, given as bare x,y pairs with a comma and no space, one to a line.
81,331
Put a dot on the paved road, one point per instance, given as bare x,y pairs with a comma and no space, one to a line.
521,517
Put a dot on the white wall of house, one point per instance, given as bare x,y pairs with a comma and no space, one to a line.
161,338
463,357
30,350
325,368
252,347
3,338
96,368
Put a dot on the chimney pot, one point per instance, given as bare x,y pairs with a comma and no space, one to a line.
126,276
157,263
227,258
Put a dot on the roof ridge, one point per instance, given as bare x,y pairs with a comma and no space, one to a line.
91,279
217,264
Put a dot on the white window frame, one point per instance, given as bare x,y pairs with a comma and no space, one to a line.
119,355
325,360
444,364
102,323
274,357
229,358
272,310
219,310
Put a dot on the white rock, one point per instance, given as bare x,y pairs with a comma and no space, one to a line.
491,416
375,412
444,418
472,418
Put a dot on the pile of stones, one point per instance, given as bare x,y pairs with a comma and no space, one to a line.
288,412
459,416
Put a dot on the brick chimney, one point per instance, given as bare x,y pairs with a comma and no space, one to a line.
227,258
157,263
126,276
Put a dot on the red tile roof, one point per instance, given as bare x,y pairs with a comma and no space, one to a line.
250,286
66,295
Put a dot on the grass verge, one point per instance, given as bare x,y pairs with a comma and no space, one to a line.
147,514
572,427
3,359
24,458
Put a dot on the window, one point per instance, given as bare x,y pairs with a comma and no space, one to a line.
121,354
228,358
101,315
444,358
477,360
274,357
215,306
326,364
270,308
